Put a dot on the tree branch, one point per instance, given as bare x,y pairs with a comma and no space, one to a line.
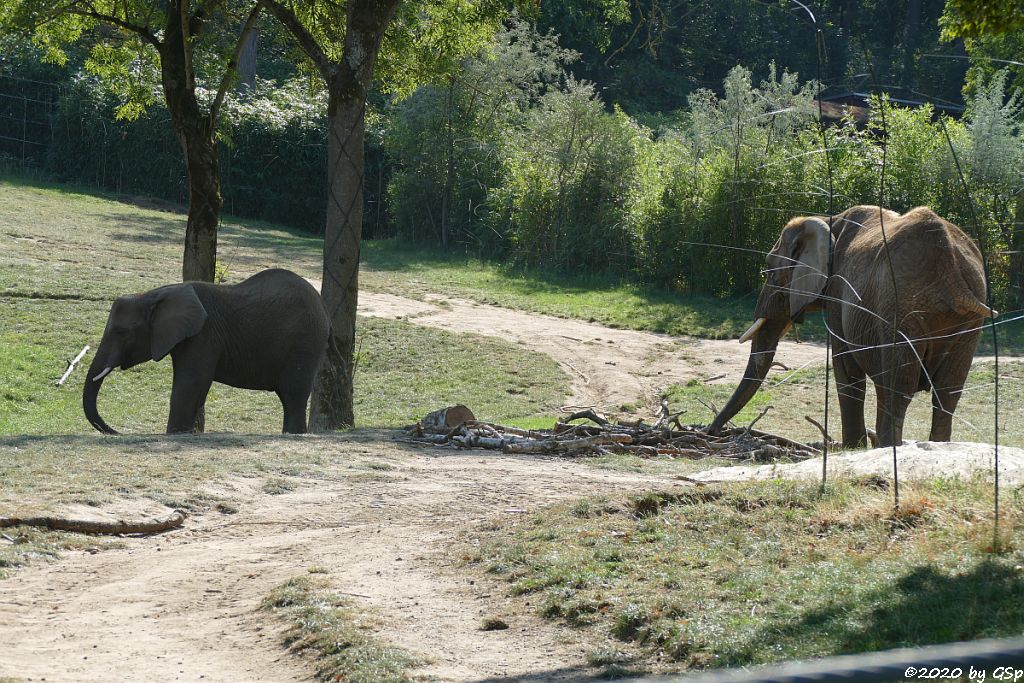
304,38
186,43
142,31
247,28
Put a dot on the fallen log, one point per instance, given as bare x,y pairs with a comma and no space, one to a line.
84,526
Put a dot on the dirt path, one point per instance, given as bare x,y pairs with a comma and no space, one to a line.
609,367
183,606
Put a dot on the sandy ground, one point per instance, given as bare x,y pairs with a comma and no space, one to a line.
183,606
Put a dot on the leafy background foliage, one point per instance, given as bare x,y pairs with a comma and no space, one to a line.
610,138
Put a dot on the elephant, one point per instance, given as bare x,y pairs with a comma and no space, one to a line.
268,332
938,303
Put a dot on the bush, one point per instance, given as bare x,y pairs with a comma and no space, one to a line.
446,140
738,170
572,191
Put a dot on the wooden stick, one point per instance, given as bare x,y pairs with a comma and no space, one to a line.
589,414
756,419
824,434
72,364
82,526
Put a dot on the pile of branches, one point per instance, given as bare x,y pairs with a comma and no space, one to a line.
666,438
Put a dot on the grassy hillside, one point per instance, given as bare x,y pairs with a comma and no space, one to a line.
64,257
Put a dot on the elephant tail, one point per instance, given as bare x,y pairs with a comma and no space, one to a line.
967,305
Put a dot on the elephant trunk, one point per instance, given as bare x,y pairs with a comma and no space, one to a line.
93,381
766,334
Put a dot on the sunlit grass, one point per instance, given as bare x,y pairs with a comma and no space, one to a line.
762,572
67,255
339,636
791,396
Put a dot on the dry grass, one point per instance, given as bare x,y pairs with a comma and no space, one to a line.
339,636
752,573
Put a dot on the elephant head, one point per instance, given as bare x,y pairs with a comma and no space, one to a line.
796,275
140,328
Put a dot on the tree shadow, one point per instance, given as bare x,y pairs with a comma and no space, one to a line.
925,605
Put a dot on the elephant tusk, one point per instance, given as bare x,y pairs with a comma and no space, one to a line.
103,374
746,336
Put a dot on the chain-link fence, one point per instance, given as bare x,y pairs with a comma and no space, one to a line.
26,118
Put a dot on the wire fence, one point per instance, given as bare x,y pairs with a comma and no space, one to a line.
26,118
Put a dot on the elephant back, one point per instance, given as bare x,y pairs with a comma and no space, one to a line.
266,324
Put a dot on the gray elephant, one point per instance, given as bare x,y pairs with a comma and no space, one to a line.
938,304
268,332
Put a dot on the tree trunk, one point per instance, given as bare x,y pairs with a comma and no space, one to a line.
332,401
204,205
247,60
195,130
449,175
195,134
347,85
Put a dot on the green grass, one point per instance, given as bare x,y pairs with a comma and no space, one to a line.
338,635
763,572
67,255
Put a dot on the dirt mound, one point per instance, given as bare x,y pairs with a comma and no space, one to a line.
920,460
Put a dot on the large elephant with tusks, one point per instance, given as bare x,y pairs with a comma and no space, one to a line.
931,280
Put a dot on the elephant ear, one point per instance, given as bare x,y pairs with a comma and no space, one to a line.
177,314
811,272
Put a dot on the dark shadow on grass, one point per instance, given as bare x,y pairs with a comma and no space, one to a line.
923,606
274,243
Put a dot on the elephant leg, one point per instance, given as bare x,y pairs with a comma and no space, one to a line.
850,385
188,396
948,382
294,390
294,404
892,409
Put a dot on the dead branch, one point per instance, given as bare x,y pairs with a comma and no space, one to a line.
758,418
589,414
666,438
709,405
82,526
71,365
824,435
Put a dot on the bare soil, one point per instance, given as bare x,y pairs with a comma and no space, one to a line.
183,606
